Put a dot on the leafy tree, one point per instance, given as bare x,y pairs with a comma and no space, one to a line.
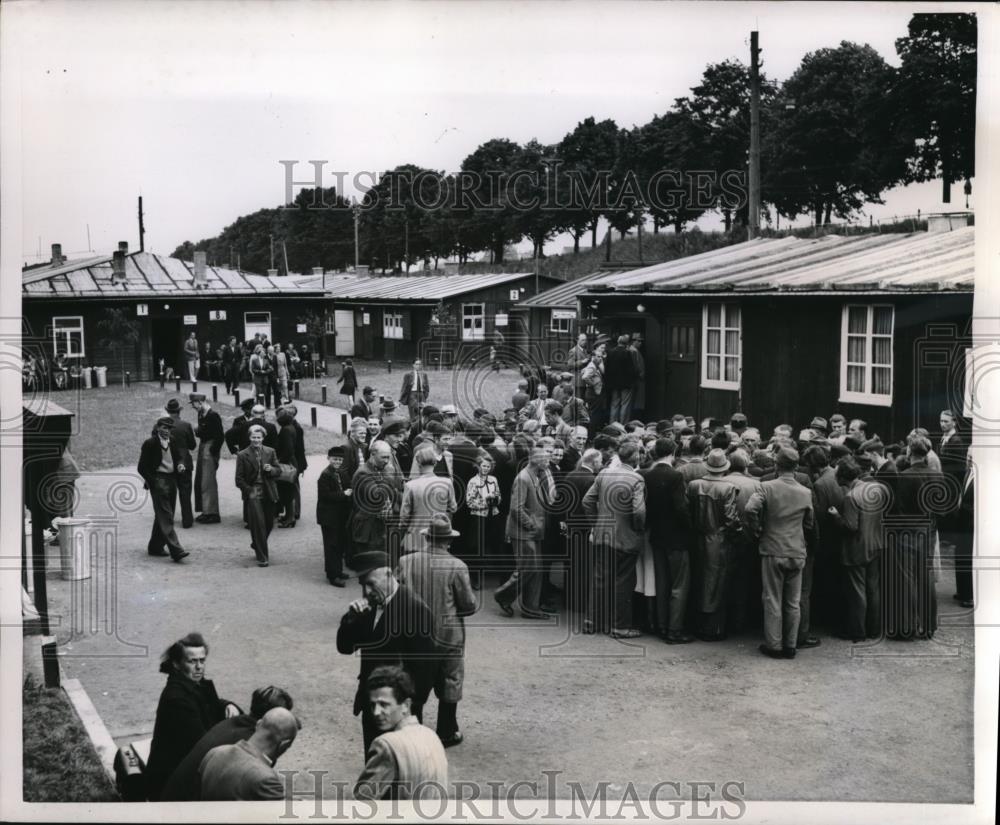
534,191
833,151
119,333
588,155
490,219
935,96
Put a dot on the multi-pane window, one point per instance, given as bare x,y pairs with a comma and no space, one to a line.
67,336
562,321
392,325
473,322
866,354
721,346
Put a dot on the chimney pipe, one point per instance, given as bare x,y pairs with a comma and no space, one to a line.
118,267
123,247
57,256
200,276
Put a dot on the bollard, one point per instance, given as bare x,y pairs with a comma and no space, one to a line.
323,388
50,662
178,385
215,393
312,414
296,389
236,396
194,386
343,423
381,400
260,399
163,380
390,366
128,379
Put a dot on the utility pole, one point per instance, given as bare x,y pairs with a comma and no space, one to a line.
406,246
639,236
754,176
142,229
357,250
271,239
91,249
284,252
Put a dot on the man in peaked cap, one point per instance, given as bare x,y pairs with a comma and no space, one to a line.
390,625
182,435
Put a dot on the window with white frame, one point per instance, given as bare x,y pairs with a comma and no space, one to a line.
254,322
392,325
67,336
562,321
721,347
473,322
331,323
866,354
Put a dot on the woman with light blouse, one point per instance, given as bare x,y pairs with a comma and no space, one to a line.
482,498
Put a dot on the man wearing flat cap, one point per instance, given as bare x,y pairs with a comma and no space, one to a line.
182,434
390,625
443,582
210,437
160,465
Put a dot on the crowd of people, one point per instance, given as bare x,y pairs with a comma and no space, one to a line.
270,366
673,528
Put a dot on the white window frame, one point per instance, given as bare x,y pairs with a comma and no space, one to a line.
248,333
721,383
560,326
392,325
867,397
477,331
58,329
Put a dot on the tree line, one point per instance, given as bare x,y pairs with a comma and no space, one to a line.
841,130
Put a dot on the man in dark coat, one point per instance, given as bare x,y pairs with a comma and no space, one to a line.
953,451
184,784
390,625
376,498
356,448
300,457
333,508
285,451
578,526
182,435
189,706
366,406
160,465
619,380
235,434
210,437
668,521
256,469
415,389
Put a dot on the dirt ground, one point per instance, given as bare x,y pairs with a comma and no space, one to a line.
888,722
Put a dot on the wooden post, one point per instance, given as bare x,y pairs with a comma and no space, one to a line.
178,385
344,425
297,389
323,390
312,415
194,386
215,392
236,396
50,662
390,366
128,379
163,380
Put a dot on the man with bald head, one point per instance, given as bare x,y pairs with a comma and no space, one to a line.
376,500
245,771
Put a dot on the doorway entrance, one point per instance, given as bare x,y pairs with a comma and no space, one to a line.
167,340
681,364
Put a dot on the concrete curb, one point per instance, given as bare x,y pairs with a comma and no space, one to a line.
93,724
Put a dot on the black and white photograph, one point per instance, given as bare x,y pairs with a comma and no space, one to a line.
499,411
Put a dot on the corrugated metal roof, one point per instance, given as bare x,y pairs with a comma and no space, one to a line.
563,295
149,275
916,261
409,287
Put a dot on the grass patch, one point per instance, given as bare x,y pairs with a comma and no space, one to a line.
60,763
112,422
466,389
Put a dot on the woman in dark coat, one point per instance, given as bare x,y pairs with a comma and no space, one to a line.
349,380
188,707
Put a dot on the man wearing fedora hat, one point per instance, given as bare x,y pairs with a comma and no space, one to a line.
390,625
716,524
210,437
160,464
782,514
443,582
182,434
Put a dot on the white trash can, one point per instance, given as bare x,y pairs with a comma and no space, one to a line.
74,547
87,377
102,376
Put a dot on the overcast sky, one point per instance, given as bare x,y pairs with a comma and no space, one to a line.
193,104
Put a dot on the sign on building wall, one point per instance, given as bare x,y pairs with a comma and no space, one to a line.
300,327
500,320
216,315
190,320
142,309
515,294
563,314
366,319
